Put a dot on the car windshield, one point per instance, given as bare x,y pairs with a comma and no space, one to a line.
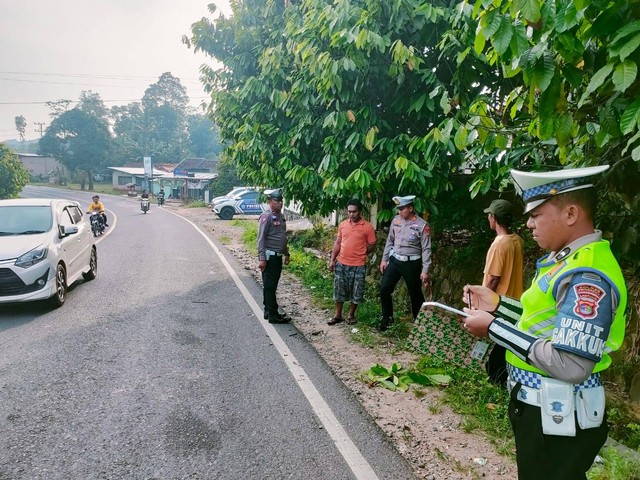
25,219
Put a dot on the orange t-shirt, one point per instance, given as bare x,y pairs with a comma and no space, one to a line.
354,239
505,260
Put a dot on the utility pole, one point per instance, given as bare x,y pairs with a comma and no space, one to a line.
39,130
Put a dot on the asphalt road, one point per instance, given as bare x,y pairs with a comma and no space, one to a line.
163,368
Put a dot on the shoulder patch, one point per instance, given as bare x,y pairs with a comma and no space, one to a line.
588,297
427,230
263,219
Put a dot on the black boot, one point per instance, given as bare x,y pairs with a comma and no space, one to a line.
385,323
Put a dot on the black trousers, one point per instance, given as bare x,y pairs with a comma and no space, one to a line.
270,278
551,457
395,270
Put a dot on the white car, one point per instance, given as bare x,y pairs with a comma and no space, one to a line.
231,194
245,203
45,246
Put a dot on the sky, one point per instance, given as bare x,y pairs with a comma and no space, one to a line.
51,50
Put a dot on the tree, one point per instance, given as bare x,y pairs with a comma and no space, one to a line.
164,105
81,141
203,136
13,176
21,125
131,139
58,107
338,100
91,103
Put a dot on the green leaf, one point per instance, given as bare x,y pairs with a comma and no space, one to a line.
630,47
379,370
444,103
490,22
546,128
479,42
573,75
401,165
630,117
529,9
439,379
403,387
460,138
624,75
598,79
564,125
543,72
626,30
502,38
370,138
635,153
462,55
567,17
388,385
592,128
631,141
419,378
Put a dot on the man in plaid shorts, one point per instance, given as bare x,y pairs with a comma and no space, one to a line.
356,239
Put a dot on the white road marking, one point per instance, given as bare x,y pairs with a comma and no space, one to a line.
357,463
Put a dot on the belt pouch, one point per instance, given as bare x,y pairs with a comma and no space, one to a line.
590,407
556,408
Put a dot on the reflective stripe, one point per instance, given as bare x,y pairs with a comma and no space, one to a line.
532,379
271,252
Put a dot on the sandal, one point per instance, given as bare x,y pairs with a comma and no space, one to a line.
351,320
335,320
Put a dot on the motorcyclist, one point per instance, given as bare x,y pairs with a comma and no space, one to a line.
144,196
97,206
161,196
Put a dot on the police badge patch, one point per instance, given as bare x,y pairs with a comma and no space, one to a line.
588,297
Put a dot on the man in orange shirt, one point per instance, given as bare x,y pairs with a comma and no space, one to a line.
502,273
356,239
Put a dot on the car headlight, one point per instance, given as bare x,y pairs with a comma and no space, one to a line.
31,258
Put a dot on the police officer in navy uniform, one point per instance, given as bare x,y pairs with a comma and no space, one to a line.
561,331
407,254
272,253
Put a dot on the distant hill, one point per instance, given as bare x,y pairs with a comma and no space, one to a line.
29,146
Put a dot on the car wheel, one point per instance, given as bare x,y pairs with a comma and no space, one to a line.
226,213
93,266
61,287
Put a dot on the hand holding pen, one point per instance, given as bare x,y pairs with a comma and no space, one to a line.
480,298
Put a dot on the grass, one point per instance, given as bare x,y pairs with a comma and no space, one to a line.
105,188
616,466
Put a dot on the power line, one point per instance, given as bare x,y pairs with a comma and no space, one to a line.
105,101
86,75
66,83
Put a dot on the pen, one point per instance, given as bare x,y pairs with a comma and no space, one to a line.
469,298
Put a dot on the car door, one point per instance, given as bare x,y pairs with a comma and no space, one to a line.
71,246
249,204
84,235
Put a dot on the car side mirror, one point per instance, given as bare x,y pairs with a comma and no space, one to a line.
66,231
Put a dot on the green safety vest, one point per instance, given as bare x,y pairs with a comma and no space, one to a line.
539,304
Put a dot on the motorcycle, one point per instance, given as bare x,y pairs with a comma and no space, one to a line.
160,198
144,205
97,224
